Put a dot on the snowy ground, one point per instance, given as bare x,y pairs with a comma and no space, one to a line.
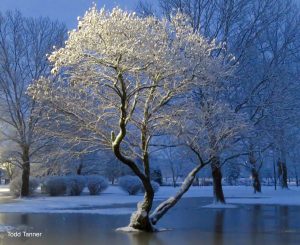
115,201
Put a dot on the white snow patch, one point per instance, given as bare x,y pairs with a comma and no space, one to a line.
163,229
127,229
104,211
4,188
6,228
130,229
219,206
104,203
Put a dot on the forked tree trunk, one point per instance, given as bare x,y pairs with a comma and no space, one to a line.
164,207
140,219
25,172
282,174
217,181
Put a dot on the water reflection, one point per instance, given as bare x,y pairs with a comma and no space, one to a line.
189,224
284,217
24,219
284,225
138,238
256,225
219,227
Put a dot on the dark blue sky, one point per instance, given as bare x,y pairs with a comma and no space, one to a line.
63,10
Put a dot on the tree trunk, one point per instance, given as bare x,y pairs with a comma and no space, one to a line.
25,172
296,176
217,181
79,169
282,174
164,207
197,181
173,179
256,182
254,172
275,175
140,219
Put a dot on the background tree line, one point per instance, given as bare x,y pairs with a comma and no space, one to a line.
215,82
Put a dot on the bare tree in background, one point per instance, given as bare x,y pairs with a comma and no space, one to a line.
24,43
262,34
212,129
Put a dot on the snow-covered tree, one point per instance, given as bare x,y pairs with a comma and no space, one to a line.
121,74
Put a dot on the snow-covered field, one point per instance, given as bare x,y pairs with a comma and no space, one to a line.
114,201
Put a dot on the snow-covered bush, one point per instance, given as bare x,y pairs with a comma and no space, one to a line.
131,184
16,186
75,185
96,184
155,187
55,185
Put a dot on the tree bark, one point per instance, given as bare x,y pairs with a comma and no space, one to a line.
296,176
254,173
256,182
275,175
140,219
25,172
79,169
282,174
164,207
217,181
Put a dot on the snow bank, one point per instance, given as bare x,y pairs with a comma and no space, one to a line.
6,228
113,200
4,189
128,229
244,195
220,206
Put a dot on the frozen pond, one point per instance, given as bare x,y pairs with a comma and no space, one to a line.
189,223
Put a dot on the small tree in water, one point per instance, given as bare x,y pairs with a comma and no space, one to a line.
121,74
